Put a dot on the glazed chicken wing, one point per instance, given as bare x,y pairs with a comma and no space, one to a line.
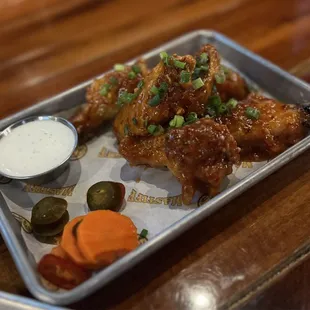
263,128
102,96
199,155
168,91
234,86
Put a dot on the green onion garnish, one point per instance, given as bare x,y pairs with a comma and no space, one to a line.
151,129
232,103
140,84
198,83
196,73
105,89
211,110
179,64
220,77
131,75
125,97
185,77
154,90
222,109
136,69
143,234
191,118
163,87
126,130
154,101
203,58
177,121
119,67
164,57
134,120
214,101
204,68
252,113
225,69
113,80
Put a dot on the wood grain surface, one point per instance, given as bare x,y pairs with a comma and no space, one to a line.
245,254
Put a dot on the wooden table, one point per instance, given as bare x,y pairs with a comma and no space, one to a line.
251,246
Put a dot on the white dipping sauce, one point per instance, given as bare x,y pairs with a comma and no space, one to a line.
35,147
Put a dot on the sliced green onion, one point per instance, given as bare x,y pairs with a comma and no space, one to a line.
198,83
215,101
185,77
232,103
136,69
222,109
214,89
131,75
164,57
143,233
163,87
220,77
204,68
252,113
211,110
179,64
113,80
140,84
151,129
204,58
225,69
154,101
154,90
134,120
125,97
196,73
126,130
119,67
105,89
191,116
177,121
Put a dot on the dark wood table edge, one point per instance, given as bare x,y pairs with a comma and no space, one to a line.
268,278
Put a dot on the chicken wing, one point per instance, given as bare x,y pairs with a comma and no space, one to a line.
102,96
168,91
234,86
263,128
200,155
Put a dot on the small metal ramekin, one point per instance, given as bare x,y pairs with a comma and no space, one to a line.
53,173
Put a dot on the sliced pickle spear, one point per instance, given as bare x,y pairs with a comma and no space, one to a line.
48,210
51,229
105,196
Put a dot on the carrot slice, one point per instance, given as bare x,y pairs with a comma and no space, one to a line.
59,251
103,236
69,244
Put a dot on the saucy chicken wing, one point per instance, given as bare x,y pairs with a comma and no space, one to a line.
263,127
102,96
199,155
169,90
234,86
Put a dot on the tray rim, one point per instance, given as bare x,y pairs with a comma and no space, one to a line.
103,277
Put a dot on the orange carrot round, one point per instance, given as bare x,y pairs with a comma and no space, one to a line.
103,236
69,243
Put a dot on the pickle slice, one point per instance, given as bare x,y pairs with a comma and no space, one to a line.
48,210
51,229
105,196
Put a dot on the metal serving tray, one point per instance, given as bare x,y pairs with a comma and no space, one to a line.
270,78
15,302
